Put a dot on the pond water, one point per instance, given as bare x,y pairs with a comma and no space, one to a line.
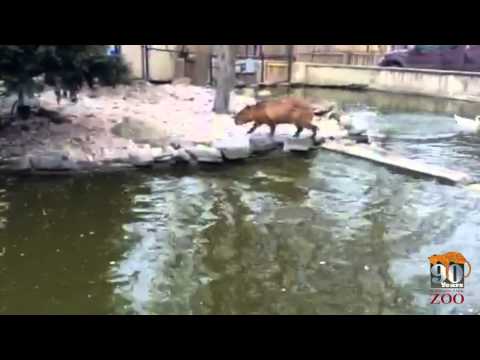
318,233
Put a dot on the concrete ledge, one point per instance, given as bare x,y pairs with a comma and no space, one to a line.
386,158
457,85
400,69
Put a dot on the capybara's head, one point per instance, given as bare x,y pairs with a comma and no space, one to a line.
244,116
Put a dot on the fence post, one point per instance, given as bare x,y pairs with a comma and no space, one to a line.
225,77
211,68
349,58
290,60
262,75
147,63
201,65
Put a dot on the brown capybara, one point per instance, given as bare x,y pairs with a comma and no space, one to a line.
274,112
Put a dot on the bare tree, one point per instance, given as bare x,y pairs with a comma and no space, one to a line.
225,77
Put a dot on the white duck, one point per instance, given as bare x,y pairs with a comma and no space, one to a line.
468,125
357,122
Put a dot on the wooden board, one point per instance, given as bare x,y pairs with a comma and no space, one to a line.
381,156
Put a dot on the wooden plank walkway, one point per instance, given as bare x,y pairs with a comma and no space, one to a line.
381,156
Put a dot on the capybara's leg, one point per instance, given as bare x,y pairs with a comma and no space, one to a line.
272,129
255,126
299,131
58,95
314,130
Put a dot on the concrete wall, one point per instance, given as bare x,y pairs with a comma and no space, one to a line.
163,66
446,84
161,63
133,57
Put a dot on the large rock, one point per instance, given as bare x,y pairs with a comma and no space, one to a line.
163,156
52,161
234,148
141,130
19,163
282,132
298,144
114,155
180,155
262,143
157,152
15,150
141,157
206,154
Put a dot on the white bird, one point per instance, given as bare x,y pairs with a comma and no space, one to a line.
468,125
357,122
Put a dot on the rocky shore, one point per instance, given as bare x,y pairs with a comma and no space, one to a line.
141,125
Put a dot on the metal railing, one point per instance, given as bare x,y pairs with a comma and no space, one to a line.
254,52
259,55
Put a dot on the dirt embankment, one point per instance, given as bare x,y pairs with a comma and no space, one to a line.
127,125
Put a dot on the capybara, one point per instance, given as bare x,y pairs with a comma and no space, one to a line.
287,110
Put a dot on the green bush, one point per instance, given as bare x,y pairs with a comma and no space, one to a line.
26,69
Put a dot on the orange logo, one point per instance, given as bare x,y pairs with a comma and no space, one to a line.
450,258
448,270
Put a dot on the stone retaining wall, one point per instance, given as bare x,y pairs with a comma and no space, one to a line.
445,84
136,127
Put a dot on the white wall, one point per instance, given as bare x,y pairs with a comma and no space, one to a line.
447,84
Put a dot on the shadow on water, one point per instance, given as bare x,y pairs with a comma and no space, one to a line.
229,244
315,233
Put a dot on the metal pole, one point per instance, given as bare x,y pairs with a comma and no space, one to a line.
210,68
147,64
262,56
142,52
290,60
